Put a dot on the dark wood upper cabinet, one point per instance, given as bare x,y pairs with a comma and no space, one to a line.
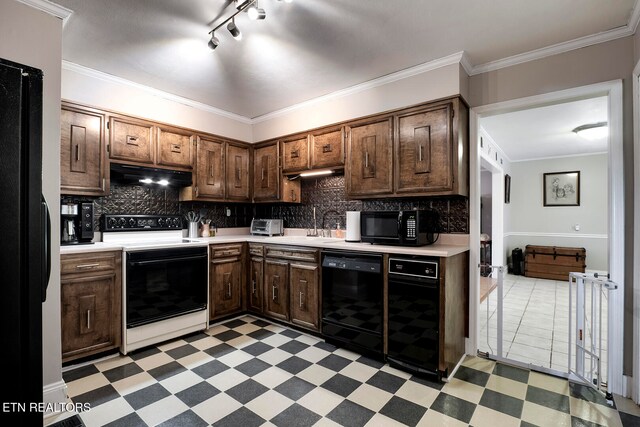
175,147
237,172
430,158
83,169
131,140
327,148
266,176
209,169
295,153
369,169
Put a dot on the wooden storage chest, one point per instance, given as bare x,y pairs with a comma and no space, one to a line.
553,262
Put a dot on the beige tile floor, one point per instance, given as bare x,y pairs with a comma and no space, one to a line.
536,322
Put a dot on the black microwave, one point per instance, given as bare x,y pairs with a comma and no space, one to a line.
405,228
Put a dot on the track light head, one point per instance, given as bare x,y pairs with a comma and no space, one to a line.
256,13
234,30
214,42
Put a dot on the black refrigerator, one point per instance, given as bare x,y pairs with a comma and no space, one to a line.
24,241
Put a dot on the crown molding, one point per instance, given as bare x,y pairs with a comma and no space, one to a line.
564,156
563,47
90,72
567,235
635,17
455,58
466,63
50,8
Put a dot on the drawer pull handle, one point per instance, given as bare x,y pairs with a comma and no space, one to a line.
84,266
88,319
295,154
229,289
326,148
293,195
262,174
176,148
366,159
132,140
253,286
420,152
301,294
78,153
273,292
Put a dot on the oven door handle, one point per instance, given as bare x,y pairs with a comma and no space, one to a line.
163,260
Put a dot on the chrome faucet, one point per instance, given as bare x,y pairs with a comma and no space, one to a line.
315,227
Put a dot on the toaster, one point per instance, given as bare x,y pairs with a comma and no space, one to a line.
267,227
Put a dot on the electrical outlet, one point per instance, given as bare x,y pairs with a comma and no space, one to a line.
576,227
228,212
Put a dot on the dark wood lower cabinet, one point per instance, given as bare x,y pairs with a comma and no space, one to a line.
256,285
276,287
225,287
303,280
91,304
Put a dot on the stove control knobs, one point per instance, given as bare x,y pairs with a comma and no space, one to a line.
132,222
160,222
176,222
112,222
122,222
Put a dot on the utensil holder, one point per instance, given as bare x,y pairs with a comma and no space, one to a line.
193,229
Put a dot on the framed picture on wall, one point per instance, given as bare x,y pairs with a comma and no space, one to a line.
561,188
507,188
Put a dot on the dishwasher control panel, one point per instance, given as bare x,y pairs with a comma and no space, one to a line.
421,268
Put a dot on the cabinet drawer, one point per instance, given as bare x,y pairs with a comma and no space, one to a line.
73,264
225,251
257,250
299,254
131,140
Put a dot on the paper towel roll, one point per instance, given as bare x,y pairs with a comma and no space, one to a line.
353,226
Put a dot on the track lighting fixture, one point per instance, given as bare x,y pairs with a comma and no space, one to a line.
235,31
253,11
256,12
214,42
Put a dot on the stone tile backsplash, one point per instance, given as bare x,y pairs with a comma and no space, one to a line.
326,194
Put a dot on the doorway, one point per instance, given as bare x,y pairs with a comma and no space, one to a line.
542,291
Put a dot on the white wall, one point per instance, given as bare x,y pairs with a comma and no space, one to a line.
34,38
102,91
438,83
532,223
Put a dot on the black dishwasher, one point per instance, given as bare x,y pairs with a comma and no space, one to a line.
414,314
352,301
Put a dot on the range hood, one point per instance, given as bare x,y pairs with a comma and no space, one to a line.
153,176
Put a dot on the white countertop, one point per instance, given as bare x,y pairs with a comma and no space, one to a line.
444,248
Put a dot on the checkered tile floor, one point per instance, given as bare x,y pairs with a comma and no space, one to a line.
248,372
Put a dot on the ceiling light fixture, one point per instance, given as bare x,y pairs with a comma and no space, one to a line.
234,30
253,11
214,42
592,131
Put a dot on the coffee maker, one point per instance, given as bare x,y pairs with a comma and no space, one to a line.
76,223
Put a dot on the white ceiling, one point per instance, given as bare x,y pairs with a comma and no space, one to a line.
309,48
547,132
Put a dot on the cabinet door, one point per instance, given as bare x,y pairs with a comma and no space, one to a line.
295,154
327,148
303,281
90,314
276,289
254,301
290,192
424,151
175,148
131,140
237,172
369,158
209,169
226,285
266,176
82,152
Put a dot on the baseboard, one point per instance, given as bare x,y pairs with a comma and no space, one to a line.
55,394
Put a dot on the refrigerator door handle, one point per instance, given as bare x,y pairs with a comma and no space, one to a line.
46,248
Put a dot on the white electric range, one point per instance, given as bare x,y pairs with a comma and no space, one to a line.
165,278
